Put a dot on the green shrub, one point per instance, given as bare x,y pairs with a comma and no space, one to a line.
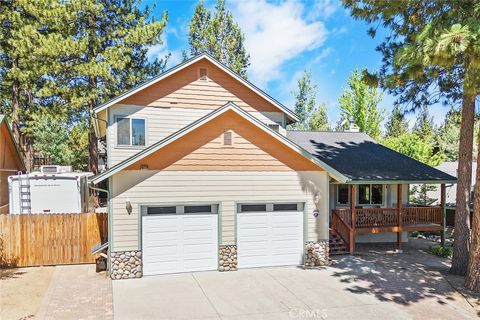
440,251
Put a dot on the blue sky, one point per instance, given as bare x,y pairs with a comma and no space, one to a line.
286,37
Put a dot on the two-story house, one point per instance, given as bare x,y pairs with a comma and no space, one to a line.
203,175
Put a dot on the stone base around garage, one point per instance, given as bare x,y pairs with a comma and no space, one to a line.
125,265
227,258
316,253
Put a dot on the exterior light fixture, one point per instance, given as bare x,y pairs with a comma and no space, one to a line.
315,213
128,206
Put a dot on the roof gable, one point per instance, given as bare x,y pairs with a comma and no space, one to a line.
148,154
129,96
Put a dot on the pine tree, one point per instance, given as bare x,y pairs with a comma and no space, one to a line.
108,55
359,105
30,35
319,119
217,34
305,100
449,135
397,124
424,126
432,54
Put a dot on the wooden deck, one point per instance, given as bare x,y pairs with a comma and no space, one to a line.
347,223
378,220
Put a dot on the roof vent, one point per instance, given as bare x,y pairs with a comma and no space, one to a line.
203,73
55,169
352,128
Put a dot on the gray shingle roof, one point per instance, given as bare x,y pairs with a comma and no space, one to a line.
360,158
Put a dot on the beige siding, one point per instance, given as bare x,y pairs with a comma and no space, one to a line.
224,188
185,89
160,123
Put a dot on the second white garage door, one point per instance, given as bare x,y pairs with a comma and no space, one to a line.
266,237
176,239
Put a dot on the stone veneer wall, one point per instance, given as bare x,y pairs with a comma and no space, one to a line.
125,264
227,258
316,253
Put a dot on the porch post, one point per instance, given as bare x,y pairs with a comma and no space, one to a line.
443,195
353,218
400,217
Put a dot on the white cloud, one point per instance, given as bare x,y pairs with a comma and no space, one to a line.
276,33
323,8
161,51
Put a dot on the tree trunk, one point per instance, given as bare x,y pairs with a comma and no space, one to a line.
92,86
472,281
464,185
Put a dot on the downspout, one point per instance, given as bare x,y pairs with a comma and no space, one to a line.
108,222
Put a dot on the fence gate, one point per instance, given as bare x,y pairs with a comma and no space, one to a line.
50,239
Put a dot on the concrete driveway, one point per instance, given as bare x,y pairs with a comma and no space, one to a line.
373,284
267,293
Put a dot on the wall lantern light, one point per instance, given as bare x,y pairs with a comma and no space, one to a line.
128,206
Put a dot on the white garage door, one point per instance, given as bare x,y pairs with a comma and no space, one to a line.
269,235
179,239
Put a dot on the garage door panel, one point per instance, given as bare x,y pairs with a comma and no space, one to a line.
279,241
179,243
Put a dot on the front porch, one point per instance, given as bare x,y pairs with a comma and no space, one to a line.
346,223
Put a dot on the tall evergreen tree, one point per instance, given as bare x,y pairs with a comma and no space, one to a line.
219,35
30,35
397,124
305,100
359,105
449,135
432,54
319,119
424,126
109,54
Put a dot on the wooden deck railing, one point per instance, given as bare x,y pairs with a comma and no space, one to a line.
375,220
388,217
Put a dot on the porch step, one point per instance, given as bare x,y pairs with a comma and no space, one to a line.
336,245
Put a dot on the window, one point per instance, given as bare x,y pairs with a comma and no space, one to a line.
130,132
342,194
197,209
370,194
162,210
253,207
284,207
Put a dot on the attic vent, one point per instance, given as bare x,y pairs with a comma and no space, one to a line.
227,138
203,74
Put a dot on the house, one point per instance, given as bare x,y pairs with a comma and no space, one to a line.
11,161
203,175
451,167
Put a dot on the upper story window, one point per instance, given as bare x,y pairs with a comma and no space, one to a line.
370,194
130,131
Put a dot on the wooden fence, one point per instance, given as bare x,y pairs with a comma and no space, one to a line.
50,239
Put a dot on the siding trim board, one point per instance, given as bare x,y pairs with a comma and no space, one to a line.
200,122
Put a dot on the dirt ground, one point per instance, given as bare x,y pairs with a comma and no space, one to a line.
22,291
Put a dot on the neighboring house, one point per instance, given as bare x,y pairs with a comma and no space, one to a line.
203,175
11,161
451,168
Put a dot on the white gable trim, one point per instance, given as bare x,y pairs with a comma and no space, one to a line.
229,106
184,65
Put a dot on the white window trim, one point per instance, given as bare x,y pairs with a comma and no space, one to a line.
384,195
130,146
